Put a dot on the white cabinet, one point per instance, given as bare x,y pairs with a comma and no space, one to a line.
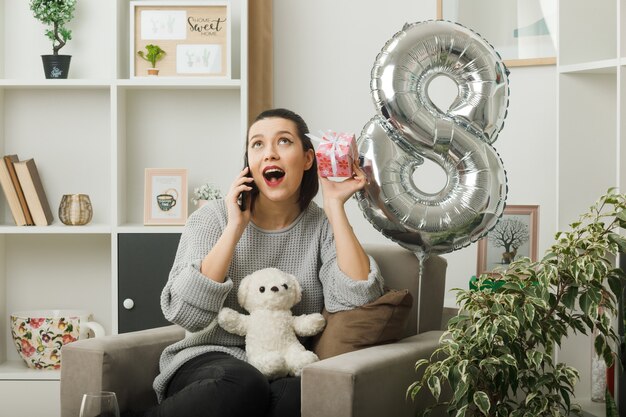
591,134
95,133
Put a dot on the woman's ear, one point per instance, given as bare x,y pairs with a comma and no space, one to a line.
309,158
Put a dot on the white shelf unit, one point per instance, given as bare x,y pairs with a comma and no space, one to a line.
95,133
591,134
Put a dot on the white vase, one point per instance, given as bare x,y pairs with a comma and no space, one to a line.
598,370
598,378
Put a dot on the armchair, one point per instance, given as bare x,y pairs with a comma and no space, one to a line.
368,382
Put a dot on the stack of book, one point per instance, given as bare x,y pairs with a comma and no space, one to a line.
24,192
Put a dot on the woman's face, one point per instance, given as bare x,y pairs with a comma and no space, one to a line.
277,159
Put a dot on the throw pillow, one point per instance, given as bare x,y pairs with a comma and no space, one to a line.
379,322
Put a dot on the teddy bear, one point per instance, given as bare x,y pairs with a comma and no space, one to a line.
270,329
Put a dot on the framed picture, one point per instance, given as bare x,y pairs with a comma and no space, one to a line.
522,31
513,237
195,36
165,198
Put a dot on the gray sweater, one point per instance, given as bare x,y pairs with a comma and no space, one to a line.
305,249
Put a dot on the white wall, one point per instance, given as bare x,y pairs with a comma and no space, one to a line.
323,55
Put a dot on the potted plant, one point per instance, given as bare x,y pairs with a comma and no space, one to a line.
55,14
154,54
496,356
205,193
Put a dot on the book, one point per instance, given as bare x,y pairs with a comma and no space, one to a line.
33,191
9,161
11,194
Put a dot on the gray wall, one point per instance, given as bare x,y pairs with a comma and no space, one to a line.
323,54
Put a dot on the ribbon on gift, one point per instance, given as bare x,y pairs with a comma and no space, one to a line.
333,139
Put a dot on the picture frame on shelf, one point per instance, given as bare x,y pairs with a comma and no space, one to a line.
513,237
195,36
523,32
165,197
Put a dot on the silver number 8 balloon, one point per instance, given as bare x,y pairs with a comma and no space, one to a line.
409,128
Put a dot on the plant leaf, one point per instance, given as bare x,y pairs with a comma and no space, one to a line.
413,389
621,216
618,240
566,397
420,363
509,360
482,402
570,296
435,386
615,283
463,369
529,312
460,391
611,407
530,397
608,356
599,344
461,411
585,302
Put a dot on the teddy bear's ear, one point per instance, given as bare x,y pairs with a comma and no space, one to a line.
298,289
242,292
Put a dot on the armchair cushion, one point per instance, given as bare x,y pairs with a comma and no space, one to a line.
381,321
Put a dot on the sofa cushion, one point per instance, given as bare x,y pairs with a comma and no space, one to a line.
379,322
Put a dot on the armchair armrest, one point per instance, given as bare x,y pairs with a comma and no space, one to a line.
368,382
125,363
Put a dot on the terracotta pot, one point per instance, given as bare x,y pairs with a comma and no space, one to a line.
153,71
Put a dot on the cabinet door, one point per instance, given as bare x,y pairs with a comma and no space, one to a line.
144,263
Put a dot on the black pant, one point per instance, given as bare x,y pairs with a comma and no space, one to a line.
216,384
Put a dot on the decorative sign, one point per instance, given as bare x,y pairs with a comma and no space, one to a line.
194,35
165,196
514,236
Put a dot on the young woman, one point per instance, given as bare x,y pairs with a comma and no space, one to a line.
206,374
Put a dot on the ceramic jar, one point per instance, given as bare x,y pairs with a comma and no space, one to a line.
39,335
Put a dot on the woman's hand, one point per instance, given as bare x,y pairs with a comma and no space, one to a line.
337,193
351,258
215,264
237,218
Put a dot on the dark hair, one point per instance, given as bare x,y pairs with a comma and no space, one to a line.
309,185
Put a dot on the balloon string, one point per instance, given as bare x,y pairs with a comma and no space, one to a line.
421,258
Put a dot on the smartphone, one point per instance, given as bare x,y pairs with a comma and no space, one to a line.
244,196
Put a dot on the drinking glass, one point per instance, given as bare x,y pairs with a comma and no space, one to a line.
99,404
